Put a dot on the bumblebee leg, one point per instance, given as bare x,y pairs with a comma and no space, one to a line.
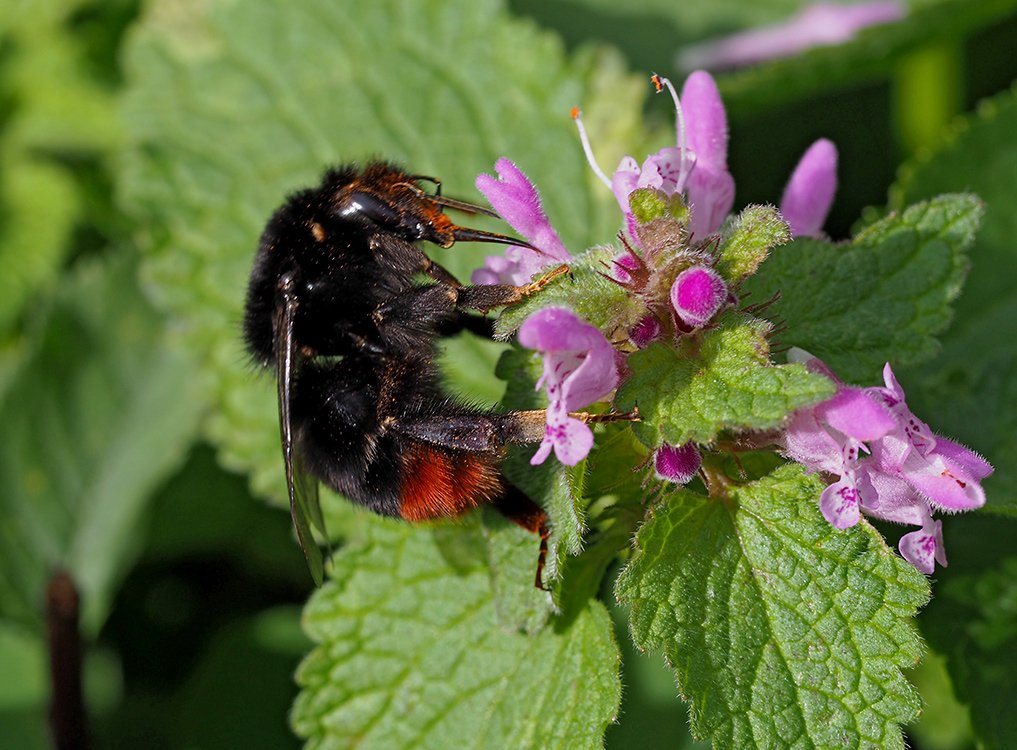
478,325
518,508
441,274
485,297
486,431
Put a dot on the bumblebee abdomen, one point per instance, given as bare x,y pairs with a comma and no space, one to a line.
439,483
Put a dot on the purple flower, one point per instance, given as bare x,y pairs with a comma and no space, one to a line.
677,464
697,294
818,25
516,200
810,190
579,369
924,548
646,330
711,187
944,473
696,166
889,463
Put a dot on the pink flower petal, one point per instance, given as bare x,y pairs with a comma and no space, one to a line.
624,180
817,25
572,442
808,443
516,200
705,121
810,190
840,504
854,413
579,368
973,464
897,500
944,484
924,548
711,187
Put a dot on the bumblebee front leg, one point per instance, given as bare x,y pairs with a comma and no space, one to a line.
486,297
429,307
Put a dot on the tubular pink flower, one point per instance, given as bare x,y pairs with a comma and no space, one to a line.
924,548
818,25
810,190
711,187
696,166
515,199
677,463
910,471
697,294
943,472
579,369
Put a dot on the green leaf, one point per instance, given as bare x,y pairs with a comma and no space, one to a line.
721,379
783,631
883,297
25,688
648,205
94,421
511,549
56,115
39,208
226,115
410,655
650,32
753,233
961,393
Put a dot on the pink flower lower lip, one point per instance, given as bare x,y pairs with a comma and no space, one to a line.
579,369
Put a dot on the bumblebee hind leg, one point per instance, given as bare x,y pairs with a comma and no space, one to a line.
517,507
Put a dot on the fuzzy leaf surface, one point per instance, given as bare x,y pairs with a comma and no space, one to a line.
883,297
754,232
586,291
968,394
410,655
783,631
719,380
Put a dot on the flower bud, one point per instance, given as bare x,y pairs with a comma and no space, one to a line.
677,464
645,331
697,294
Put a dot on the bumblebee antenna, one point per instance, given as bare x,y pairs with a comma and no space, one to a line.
440,200
470,208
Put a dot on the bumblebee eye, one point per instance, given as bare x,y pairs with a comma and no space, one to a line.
363,205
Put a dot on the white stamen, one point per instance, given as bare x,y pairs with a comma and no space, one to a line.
577,116
688,159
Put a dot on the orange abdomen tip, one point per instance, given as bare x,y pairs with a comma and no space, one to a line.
439,484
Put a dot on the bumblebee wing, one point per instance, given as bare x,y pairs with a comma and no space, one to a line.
301,487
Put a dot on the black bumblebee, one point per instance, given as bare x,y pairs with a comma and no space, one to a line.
335,305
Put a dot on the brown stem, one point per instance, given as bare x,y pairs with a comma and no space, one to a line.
67,708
